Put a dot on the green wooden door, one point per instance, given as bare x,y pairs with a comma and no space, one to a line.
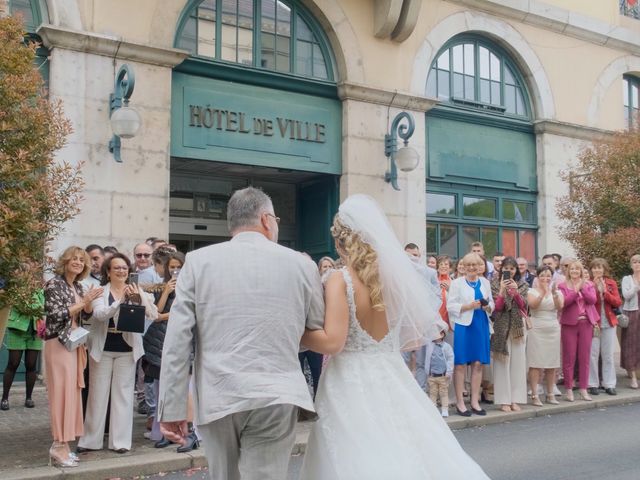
318,203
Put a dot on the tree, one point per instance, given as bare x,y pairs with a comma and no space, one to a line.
601,213
37,192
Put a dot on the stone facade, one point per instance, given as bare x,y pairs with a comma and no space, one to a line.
572,55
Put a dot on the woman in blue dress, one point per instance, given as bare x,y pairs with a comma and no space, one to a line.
469,305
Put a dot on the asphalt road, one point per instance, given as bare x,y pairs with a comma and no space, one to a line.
594,444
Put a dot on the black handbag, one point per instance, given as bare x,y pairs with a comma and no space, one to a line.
131,318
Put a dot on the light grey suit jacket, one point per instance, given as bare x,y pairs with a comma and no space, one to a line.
247,301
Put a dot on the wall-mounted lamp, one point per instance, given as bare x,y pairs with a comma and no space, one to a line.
125,121
406,159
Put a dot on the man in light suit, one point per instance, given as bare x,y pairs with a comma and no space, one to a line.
247,302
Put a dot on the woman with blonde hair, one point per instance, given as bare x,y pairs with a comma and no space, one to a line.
543,340
66,305
377,306
469,304
578,318
630,340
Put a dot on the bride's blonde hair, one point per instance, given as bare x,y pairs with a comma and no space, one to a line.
361,257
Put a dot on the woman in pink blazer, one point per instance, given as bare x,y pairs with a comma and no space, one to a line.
578,319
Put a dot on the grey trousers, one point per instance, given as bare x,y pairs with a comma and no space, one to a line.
251,445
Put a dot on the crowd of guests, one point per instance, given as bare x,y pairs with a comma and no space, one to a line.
92,381
512,336
516,334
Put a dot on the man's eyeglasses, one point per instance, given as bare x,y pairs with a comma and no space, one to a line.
143,255
276,218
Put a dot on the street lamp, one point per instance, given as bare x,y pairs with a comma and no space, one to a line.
125,121
406,159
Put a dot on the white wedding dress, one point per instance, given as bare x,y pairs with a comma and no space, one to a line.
375,423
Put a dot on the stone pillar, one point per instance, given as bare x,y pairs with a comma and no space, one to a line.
367,116
124,203
558,147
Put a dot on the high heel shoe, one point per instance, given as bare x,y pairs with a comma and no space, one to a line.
535,401
552,400
585,396
57,459
192,444
569,396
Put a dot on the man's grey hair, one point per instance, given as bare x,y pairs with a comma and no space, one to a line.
245,208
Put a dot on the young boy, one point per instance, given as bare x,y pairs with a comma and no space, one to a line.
439,365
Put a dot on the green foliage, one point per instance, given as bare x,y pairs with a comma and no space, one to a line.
601,213
37,192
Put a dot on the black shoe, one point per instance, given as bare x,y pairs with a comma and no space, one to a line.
121,450
466,413
482,412
192,444
4,404
143,408
484,399
84,450
593,391
28,403
162,443
610,391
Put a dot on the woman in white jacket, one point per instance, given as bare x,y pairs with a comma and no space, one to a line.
469,305
112,356
630,340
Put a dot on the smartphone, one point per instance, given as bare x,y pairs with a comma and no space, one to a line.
484,302
506,275
175,272
133,278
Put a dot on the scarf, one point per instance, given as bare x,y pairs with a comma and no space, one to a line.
508,321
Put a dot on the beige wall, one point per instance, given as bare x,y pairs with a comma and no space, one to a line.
573,79
123,202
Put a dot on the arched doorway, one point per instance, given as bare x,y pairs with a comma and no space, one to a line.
255,104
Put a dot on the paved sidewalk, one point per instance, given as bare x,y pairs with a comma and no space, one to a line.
25,439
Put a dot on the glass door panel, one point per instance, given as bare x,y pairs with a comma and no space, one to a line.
509,242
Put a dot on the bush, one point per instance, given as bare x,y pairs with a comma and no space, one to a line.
37,192
601,213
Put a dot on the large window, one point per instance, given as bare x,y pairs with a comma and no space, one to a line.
481,175
34,12
473,74
273,35
500,222
630,93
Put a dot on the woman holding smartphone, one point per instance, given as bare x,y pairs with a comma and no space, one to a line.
469,304
153,340
508,342
112,355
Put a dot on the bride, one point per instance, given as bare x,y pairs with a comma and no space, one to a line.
375,422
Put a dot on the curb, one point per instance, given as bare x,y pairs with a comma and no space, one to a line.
131,465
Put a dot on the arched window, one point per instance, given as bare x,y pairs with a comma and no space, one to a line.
481,172
474,74
267,34
631,92
34,12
